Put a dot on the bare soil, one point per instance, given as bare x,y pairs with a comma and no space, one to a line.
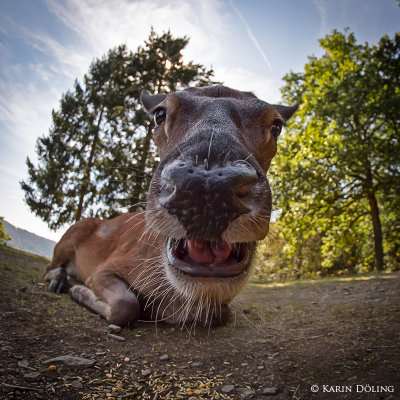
338,332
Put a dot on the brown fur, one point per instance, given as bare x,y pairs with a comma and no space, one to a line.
122,263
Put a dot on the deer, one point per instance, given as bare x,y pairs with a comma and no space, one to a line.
190,252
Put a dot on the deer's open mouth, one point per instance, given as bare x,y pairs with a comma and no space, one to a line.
203,258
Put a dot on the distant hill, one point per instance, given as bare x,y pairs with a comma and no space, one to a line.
29,242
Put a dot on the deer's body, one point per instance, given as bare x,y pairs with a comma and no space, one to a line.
190,252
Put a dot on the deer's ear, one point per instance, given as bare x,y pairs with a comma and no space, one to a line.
285,111
151,101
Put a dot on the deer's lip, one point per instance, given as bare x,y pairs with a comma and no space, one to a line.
218,259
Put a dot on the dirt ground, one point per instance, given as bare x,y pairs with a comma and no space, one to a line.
338,334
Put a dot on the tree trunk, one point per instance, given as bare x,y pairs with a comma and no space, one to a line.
86,177
376,221
377,227
140,170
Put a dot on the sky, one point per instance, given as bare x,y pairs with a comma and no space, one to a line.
251,44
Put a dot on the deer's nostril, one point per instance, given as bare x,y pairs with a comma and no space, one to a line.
220,191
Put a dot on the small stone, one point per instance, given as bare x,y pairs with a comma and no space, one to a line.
269,391
72,361
197,364
77,384
23,363
164,357
245,392
146,372
227,388
260,367
116,337
114,328
32,376
244,364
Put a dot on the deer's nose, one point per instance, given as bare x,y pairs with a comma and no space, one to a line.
206,201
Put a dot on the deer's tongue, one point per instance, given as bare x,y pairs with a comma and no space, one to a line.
203,252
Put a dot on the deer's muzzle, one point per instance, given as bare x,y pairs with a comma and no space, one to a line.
206,200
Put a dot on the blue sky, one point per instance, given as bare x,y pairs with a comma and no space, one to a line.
45,45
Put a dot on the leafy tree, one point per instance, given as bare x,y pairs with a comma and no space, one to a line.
337,175
98,156
3,234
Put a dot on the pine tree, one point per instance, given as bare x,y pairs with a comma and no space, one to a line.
98,157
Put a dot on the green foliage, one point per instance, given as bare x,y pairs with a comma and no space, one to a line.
98,157
336,177
3,234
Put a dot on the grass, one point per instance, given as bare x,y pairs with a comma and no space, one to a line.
303,282
26,269
342,309
24,265
25,272
30,266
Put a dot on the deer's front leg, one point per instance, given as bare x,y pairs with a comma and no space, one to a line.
107,294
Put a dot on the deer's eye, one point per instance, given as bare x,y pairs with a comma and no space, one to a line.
276,127
159,117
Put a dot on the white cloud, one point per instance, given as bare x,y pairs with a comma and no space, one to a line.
319,5
251,36
102,25
239,78
29,92
70,62
25,111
